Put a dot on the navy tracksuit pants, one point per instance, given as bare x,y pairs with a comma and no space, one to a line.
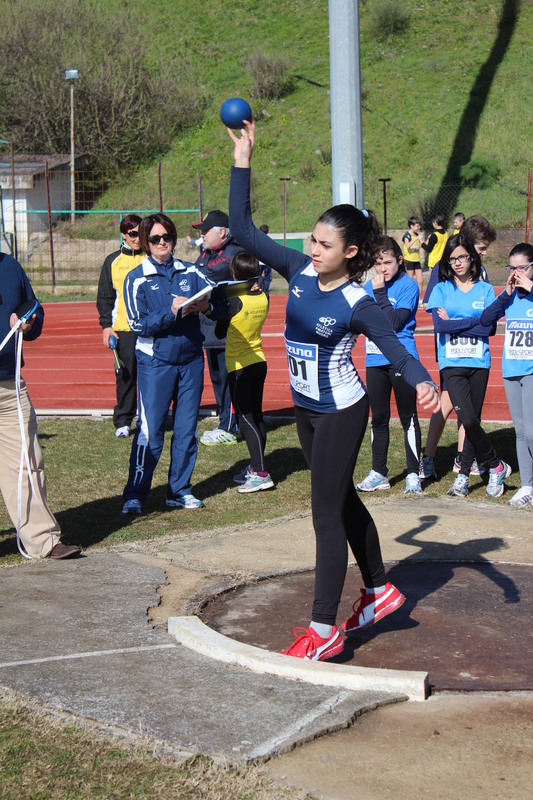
160,383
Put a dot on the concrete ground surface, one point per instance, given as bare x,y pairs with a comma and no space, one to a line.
451,746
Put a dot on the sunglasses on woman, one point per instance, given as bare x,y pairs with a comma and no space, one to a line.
167,237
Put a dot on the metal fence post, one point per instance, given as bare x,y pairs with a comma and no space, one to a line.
528,206
284,210
159,187
47,186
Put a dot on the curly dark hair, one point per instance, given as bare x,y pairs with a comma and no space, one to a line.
386,244
355,227
446,272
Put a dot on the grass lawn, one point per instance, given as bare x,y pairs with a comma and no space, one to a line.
44,759
87,469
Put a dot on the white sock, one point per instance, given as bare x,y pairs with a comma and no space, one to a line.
375,589
322,629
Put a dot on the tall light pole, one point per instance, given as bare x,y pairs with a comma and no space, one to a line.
346,112
72,75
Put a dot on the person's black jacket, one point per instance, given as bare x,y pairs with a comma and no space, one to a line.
215,266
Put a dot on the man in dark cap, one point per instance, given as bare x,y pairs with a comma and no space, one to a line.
218,248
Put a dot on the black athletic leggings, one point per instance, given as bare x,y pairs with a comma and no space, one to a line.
379,383
466,387
331,443
246,392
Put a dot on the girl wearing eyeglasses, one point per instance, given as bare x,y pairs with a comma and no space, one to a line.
516,303
326,309
170,362
463,351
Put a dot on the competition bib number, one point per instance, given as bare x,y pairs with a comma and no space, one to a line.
372,349
303,368
519,339
463,346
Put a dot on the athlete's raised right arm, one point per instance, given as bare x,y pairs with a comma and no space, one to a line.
283,259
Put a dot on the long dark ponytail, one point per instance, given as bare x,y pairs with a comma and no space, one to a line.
355,227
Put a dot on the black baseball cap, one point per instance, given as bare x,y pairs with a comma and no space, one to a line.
214,219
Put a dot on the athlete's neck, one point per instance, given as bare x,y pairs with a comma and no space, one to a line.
330,281
464,282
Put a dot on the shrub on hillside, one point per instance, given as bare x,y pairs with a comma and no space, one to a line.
388,18
125,111
271,76
480,172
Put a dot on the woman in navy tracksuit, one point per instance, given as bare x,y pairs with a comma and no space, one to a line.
326,309
170,363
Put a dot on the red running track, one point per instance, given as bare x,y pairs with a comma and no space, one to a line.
69,368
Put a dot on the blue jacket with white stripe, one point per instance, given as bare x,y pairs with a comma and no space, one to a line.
15,289
149,290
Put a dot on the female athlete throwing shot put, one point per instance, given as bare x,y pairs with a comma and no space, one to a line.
326,310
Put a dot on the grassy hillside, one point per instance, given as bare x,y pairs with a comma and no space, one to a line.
417,92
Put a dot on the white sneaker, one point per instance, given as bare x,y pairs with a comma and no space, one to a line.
523,497
185,501
374,480
460,486
122,433
255,483
218,436
412,484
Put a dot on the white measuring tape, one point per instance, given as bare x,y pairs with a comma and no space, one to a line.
24,455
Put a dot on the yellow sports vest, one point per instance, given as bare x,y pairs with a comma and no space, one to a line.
412,253
243,340
119,269
438,250
456,231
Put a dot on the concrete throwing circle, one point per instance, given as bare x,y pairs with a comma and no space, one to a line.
469,625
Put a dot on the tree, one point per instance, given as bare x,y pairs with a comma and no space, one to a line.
126,109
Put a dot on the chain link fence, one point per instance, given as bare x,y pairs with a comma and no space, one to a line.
84,228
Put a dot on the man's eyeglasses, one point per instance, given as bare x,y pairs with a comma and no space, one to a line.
167,237
133,234
519,269
463,259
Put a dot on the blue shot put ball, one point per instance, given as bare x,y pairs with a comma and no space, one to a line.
234,111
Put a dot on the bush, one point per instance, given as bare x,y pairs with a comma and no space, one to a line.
480,172
388,18
271,76
124,111
307,170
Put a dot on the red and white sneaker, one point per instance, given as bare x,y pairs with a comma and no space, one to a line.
309,645
371,608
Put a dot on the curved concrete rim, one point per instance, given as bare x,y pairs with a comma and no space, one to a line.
194,634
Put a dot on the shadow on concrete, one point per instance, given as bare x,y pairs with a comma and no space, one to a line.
469,555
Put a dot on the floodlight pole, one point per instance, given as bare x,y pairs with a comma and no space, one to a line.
346,111
72,75
15,245
72,181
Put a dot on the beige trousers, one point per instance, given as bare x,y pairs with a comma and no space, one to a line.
39,530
